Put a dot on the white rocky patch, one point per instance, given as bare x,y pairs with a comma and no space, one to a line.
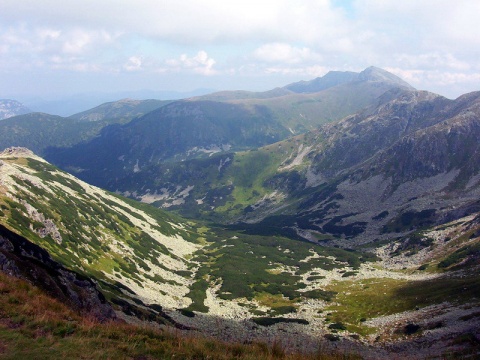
149,198
225,308
301,153
210,150
49,226
136,167
151,292
177,198
223,163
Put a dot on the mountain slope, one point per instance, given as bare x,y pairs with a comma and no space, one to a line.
93,232
413,162
140,252
332,78
23,259
39,131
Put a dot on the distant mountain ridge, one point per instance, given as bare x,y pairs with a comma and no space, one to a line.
10,108
336,78
218,123
38,131
122,110
332,78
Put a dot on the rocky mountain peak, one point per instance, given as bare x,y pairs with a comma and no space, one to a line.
17,151
376,74
336,78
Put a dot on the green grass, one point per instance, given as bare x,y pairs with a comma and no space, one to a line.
266,268
198,295
248,174
467,255
366,299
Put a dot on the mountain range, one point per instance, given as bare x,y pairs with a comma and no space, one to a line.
344,208
415,154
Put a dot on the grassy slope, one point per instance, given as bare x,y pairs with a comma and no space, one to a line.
227,184
302,112
101,235
35,326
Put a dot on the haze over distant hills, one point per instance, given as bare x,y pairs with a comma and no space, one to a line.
72,104
211,124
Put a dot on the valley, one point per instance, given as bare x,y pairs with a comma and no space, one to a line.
307,217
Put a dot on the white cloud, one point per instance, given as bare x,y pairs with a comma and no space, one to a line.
284,53
434,60
134,63
188,21
422,39
200,63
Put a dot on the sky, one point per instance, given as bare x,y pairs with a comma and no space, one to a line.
53,48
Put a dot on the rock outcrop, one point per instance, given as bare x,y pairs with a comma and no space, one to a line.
21,258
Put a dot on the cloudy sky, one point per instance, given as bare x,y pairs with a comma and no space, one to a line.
53,47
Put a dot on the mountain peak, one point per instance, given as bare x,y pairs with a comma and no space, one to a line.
374,73
336,78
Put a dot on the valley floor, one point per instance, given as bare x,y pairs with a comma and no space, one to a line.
393,308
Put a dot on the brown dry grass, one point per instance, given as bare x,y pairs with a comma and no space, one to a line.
35,326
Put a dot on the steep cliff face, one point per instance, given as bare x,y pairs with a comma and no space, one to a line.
21,258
